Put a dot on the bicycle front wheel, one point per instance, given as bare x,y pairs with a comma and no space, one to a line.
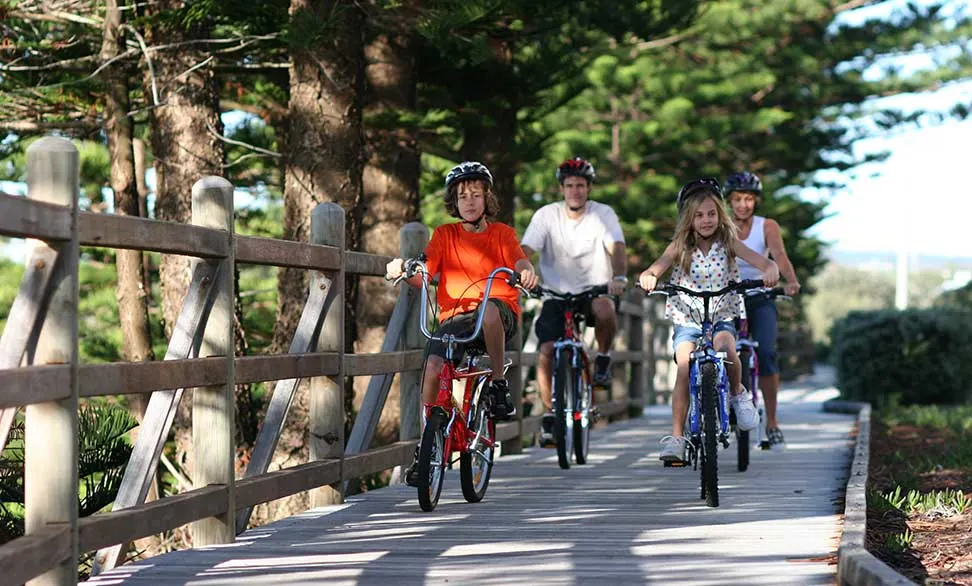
563,393
476,463
431,463
582,415
710,434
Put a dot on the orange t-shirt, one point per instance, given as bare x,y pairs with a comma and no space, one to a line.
464,259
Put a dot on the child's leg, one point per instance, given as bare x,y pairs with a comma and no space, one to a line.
430,378
494,337
726,342
680,395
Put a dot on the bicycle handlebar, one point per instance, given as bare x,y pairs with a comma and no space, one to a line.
594,291
733,286
416,265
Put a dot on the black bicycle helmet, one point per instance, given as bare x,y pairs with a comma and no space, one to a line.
576,167
744,181
469,170
695,186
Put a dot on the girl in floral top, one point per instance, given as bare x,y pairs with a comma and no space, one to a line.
704,252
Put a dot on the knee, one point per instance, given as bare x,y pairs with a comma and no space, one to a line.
546,349
492,316
433,365
603,309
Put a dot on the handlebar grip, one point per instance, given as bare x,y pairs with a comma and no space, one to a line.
751,284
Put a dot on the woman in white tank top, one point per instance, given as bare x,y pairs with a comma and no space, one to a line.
743,192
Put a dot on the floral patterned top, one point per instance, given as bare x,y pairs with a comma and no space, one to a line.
708,272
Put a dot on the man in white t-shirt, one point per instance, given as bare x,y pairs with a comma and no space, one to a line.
581,246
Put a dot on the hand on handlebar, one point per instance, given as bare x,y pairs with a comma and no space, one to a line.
771,276
647,280
616,288
394,269
791,288
529,279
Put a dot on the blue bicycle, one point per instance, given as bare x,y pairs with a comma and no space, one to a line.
708,415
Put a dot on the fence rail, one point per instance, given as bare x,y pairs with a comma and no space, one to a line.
40,371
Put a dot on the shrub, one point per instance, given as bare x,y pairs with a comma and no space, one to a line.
917,356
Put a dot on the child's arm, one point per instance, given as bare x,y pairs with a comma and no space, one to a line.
396,267
771,272
649,277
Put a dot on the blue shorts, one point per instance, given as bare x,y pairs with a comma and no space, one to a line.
761,313
692,333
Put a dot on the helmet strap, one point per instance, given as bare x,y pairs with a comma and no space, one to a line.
477,223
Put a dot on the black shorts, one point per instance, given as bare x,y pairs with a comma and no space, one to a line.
462,325
550,323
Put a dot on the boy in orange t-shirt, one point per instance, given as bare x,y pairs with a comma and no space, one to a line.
463,254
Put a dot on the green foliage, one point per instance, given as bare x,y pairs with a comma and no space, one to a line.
960,298
104,451
906,357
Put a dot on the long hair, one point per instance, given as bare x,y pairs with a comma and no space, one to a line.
452,199
686,240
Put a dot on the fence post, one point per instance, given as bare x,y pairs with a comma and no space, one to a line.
51,429
414,237
636,343
515,377
214,407
326,426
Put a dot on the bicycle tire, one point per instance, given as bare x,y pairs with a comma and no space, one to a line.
563,412
742,437
475,469
710,433
582,415
431,463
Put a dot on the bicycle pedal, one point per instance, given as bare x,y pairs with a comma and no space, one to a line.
675,464
764,445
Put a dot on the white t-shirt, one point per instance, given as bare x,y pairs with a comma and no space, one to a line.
757,241
574,254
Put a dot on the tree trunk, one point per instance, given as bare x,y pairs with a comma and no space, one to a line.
323,149
185,147
132,306
391,194
495,146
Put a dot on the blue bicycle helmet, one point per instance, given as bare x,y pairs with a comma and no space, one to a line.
744,181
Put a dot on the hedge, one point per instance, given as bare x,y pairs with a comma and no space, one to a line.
915,356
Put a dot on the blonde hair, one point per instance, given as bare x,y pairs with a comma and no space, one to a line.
686,240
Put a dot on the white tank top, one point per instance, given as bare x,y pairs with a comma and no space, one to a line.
756,241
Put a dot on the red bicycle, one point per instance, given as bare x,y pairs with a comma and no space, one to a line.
451,426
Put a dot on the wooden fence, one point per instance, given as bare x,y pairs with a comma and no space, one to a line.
40,371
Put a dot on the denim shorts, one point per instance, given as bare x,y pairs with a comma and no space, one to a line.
692,333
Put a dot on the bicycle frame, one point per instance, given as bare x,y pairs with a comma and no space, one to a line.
705,352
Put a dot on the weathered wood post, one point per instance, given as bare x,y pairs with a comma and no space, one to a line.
326,426
636,343
414,237
51,429
214,407
515,378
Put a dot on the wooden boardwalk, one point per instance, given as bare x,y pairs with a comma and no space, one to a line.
621,519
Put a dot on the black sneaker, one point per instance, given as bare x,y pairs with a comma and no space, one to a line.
411,473
775,436
547,431
503,407
602,370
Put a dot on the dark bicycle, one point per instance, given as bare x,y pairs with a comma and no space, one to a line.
746,348
574,412
708,415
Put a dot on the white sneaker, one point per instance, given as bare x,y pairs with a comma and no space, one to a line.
747,417
673,449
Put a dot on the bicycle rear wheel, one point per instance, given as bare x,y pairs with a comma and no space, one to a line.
742,437
432,461
563,394
476,465
710,435
582,415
